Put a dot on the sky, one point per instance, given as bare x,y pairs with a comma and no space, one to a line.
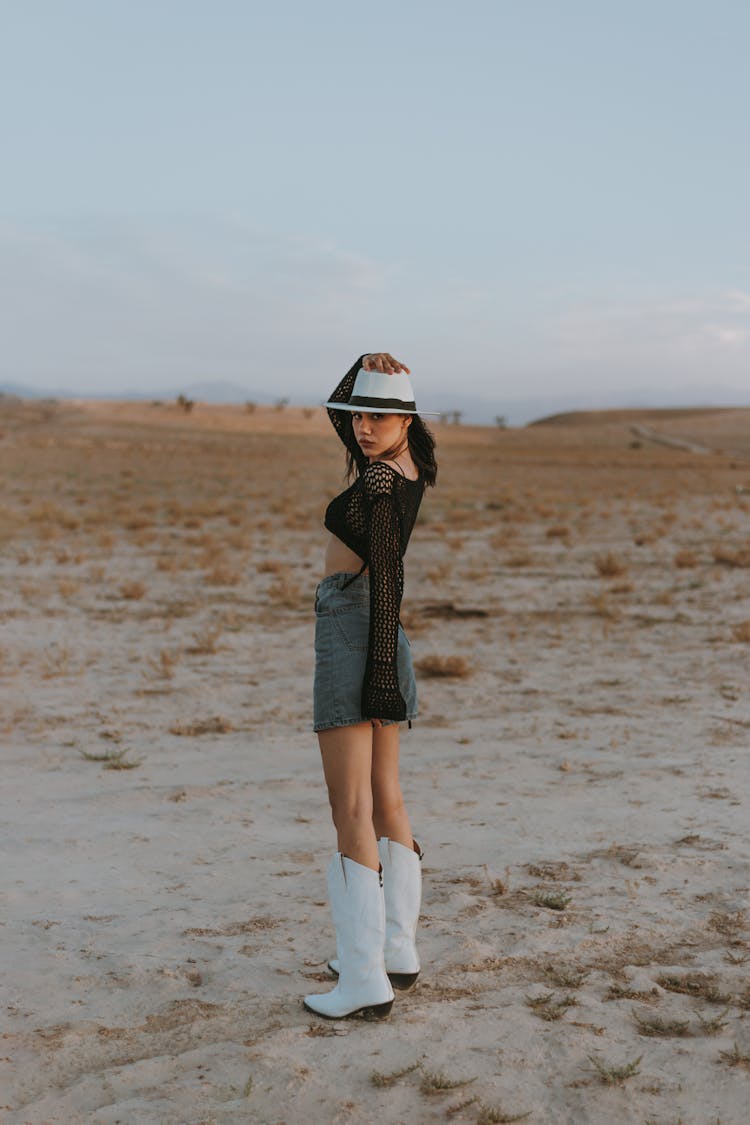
532,203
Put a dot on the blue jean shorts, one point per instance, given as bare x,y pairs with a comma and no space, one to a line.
342,627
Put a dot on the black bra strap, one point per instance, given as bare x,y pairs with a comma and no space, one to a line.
349,581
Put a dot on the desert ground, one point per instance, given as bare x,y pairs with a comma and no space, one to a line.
578,601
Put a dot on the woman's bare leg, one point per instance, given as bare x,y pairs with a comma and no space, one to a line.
389,812
347,764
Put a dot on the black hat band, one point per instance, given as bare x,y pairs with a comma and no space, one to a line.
381,403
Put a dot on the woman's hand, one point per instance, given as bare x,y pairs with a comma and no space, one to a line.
384,361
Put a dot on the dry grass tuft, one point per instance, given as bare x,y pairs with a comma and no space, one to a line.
222,575
684,559
549,1007
735,1058
731,925
557,871
694,984
435,1082
110,759
613,1075
609,565
491,1115
163,665
519,560
132,591
56,662
622,992
741,632
444,667
563,977
715,1024
725,556
458,1107
385,1080
285,592
271,566
602,607
215,725
551,900
737,959
657,1026
205,643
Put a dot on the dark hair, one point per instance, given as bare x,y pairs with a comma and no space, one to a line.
421,447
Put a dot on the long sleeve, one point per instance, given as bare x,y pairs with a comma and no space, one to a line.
381,696
341,394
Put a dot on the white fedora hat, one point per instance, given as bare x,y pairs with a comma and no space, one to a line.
376,393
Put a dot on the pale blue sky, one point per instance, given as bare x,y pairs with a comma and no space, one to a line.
521,200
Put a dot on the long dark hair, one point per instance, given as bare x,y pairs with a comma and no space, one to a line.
421,446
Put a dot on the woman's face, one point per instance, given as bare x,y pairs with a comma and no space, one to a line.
376,434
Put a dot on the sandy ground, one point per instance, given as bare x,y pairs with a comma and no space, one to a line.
580,787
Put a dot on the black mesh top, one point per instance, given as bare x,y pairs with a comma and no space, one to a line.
374,518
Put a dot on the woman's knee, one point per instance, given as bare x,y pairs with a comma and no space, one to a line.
388,805
350,808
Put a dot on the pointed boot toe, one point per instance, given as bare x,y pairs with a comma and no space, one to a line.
358,910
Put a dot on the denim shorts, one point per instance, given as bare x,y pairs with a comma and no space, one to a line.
342,626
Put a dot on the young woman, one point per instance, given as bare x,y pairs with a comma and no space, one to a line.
364,685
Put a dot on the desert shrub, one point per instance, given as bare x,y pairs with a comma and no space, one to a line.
132,591
725,556
519,559
444,667
222,575
609,565
285,592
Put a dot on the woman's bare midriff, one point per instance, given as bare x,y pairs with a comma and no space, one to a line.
340,559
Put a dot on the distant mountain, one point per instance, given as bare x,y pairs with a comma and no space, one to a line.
221,391
216,392
18,389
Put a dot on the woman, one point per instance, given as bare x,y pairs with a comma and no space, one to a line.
364,685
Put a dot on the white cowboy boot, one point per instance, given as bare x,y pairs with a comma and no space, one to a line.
358,910
402,883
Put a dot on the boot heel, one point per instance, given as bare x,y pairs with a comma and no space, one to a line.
377,1011
403,981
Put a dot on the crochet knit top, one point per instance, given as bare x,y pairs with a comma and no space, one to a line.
374,518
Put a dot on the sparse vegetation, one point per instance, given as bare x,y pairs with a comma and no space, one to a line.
730,556
551,900
550,1007
492,1115
735,1057
444,667
159,575
610,565
694,984
215,725
659,1026
381,1080
436,1082
613,1075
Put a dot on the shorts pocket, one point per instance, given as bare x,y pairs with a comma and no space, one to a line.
352,625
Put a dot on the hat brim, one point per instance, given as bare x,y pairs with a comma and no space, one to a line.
377,409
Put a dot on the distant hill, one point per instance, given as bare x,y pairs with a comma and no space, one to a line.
631,415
